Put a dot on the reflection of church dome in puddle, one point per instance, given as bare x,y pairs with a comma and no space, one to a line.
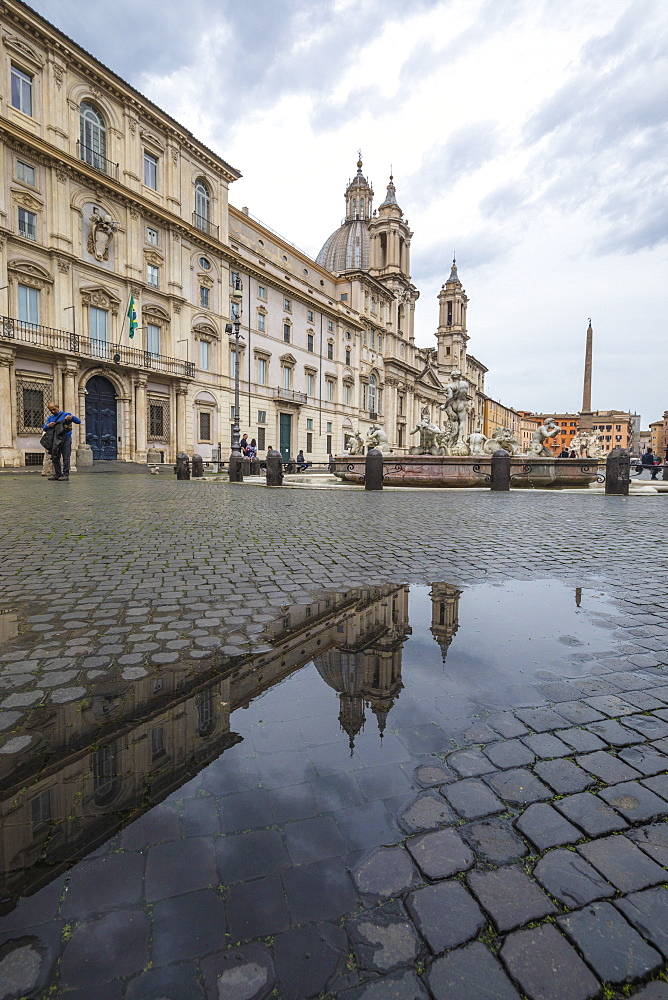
369,678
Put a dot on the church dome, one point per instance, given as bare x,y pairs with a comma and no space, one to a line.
348,248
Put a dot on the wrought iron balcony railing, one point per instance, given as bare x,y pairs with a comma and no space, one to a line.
199,222
48,339
95,159
291,395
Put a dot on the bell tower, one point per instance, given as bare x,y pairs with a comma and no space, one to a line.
452,336
359,195
390,260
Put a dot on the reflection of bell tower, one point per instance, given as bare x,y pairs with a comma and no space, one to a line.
451,335
351,716
444,614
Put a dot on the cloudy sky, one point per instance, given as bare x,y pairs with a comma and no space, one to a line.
528,136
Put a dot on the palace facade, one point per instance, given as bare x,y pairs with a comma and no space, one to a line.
106,199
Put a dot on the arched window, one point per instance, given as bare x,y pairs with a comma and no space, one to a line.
93,136
372,393
105,774
202,204
361,208
347,355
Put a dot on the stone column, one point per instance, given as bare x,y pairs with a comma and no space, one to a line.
140,420
9,456
181,397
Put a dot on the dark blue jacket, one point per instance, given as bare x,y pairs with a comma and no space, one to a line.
55,418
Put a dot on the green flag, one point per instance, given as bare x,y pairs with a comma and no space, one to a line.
132,316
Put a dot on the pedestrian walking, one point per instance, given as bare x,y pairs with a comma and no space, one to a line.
57,441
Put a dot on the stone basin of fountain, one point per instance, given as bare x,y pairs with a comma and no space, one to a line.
472,470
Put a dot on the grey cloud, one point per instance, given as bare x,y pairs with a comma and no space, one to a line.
474,250
464,151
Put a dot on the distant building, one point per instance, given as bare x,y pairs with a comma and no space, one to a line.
614,428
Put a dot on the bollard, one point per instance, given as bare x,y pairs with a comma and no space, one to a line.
182,467
617,472
500,478
197,467
373,469
664,474
235,467
274,470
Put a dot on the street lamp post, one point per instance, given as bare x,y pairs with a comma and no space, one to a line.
235,464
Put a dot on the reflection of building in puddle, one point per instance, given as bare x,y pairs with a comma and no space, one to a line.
364,664
9,626
94,766
444,614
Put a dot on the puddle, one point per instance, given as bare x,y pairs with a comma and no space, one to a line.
245,793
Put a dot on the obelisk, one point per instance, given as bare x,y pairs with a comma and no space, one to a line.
586,416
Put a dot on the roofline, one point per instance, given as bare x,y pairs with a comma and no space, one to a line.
17,10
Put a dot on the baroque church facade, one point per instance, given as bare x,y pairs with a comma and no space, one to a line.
106,200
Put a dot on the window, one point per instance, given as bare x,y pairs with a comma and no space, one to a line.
364,395
105,773
400,405
205,717
98,323
287,305
204,264
150,171
235,312
309,316
233,361
286,333
373,303
330,326
261,322
347,355
261,377
261,416
156,420
329,444
21,91
93,136
310,384
309,342
287,377
31,405
373,339
152,236
41,810
309,423
309,443
204,355
28,305
347,392
153,339
261,435
27,224
157,742
330,390
344,297
25,172
330,350
202,204
153,275
205,425
261,292
364,337
204,297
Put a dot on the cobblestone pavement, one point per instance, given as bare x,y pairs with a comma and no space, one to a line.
510,851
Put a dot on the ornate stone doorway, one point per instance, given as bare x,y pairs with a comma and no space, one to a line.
101,422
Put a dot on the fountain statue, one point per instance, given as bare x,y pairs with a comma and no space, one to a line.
585,445
377,438
504,438
456,407
430,436
542,434
356,444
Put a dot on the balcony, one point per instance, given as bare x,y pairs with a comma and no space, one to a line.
95,159
290,396
45,338
204,226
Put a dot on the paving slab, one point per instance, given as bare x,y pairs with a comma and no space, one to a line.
470,973
433,774
653,840
571,879
563,776
611,705
590,813
402,985
469,763
607,767
386,872
509,896
581,740
653,991
428,811
610,946
648,912
446,915
472,798
546,745
384,939
440,854
508,726
648,725
519,787
658,784
635,802
622,863
614,733
545,827
546,966
579,712
540,719
241,973
645,759
494,840
509,753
